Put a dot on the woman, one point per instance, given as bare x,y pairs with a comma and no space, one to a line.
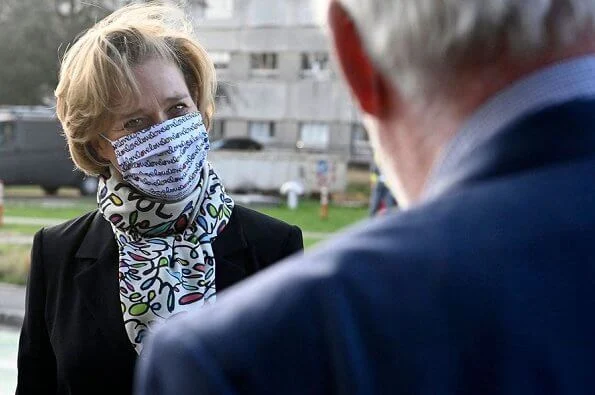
135,99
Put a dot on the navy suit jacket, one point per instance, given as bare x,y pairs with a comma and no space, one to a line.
487,289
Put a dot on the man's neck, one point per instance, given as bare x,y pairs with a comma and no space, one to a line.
475,86
435,125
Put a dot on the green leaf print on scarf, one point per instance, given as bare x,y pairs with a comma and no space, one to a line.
163,261
133,218
135,297
213,212
160,230
138,309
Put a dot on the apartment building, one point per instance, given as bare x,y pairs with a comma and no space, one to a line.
277,82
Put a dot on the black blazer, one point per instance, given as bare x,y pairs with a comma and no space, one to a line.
73,339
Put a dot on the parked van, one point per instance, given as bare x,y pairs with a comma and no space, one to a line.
33,151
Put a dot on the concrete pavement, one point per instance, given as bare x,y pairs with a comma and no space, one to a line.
9,340
12,311
12,305
16,239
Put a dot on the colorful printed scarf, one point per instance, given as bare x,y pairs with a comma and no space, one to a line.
167,265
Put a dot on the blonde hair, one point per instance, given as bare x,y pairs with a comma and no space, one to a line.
97,80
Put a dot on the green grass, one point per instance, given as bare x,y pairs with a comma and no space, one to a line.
19,229
36,191
14,263
311,242
307,216
35,209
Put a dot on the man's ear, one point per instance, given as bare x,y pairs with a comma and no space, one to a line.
368,86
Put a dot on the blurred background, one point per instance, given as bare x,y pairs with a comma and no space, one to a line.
278,92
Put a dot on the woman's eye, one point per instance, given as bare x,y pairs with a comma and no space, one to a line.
134,125
179,109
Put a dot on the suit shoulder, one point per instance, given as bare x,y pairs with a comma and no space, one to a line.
469,225
70,229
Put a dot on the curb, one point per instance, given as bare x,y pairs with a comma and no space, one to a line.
9,220
15,239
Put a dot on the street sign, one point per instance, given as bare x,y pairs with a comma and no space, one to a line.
322,168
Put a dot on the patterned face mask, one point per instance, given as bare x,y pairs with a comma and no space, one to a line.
165,160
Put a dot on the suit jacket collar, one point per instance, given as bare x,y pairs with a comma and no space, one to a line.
97,278
552,136
232,239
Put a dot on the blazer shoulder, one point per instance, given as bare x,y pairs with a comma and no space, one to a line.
263,230
55,247
60,243
70,229
253,218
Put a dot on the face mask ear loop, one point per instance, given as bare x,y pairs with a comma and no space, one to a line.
108,140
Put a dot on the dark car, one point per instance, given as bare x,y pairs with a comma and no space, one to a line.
237,144
33,151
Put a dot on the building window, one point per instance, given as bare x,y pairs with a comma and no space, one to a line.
264,64
314,136
7,135
361,151
213,9
315,64
223,94
263,132
217,130
263,61
221,60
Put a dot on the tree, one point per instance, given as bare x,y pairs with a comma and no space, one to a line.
35,34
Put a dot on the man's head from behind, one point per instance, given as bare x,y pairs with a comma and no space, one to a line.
418,68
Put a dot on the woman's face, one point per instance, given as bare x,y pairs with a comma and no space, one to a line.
163,95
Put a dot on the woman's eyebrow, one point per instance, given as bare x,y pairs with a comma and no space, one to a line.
132,114
177,97
139,112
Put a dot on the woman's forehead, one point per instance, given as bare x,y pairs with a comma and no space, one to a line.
153,82
159,77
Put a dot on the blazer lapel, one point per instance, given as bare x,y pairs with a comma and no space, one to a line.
97,279
98,282
233,257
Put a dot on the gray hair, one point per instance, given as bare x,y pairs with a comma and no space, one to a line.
419,43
